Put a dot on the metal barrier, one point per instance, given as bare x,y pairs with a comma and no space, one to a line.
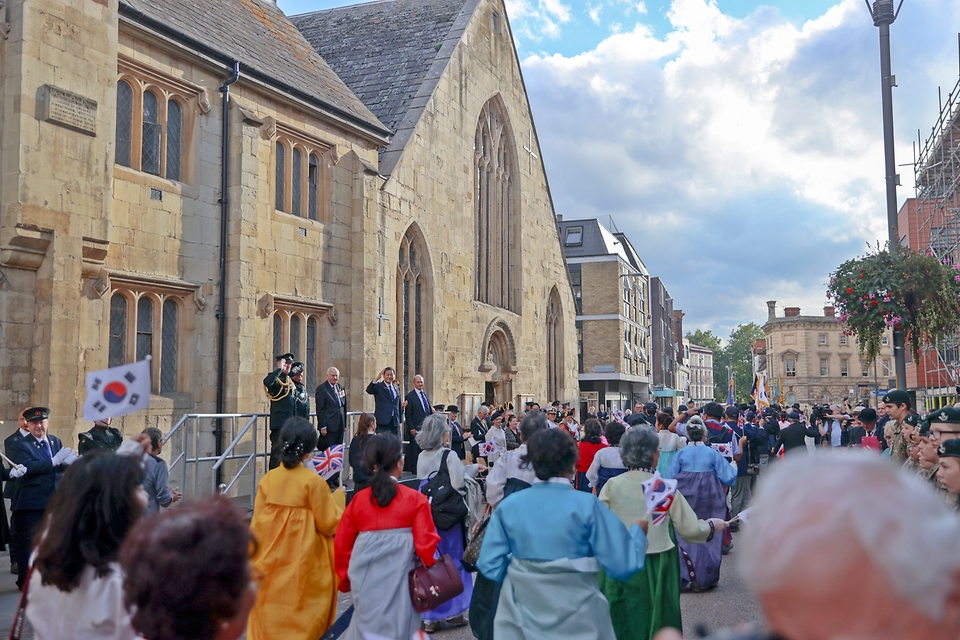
248,450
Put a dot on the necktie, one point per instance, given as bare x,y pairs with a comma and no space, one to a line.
46,448
423,399
393,392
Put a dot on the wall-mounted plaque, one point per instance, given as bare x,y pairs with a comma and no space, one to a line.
69,110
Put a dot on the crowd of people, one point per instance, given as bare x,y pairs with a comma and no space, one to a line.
540,521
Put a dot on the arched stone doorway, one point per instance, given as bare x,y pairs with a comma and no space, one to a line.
498,360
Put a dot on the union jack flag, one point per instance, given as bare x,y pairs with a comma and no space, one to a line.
329,462
658,494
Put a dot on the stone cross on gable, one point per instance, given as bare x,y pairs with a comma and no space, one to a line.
381,316
529,149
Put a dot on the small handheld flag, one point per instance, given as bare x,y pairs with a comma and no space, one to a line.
487,449
329,462
117,391
723,448
658,494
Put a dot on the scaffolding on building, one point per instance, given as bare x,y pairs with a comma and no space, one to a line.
937,184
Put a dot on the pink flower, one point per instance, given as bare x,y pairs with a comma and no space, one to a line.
886,298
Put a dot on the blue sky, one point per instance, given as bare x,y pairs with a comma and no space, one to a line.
738,144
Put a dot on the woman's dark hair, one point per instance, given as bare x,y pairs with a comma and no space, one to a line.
299,438
88,518
592,431
382,454
187,570
614,432
552,452
363,427
664,419
532,422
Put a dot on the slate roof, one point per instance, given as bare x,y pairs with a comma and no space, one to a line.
259,36
597,240
390,53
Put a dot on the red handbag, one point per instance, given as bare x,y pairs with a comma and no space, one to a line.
430,587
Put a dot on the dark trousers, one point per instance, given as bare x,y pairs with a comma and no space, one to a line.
412,451
25,525
386,428
275,448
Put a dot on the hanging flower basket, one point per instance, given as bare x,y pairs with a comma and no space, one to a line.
880,291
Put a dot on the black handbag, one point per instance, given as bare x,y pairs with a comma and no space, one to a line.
448,506
430,587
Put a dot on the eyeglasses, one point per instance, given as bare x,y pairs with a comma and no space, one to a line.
936,435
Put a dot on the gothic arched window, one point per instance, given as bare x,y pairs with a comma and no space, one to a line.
411,307
554,346
498,230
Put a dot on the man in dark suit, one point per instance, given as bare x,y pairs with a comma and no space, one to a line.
791,437
866,426
478,430
45,458
456,432
416,408
331,410
386,396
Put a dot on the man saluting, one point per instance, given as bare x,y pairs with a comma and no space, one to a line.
386,396
280,389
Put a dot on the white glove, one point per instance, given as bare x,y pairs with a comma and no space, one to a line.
18,471
70,459
61,455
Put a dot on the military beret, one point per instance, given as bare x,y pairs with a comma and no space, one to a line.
924,430
897,396
912,419
289,357
946,415
949,449
36,414
453,409
296,367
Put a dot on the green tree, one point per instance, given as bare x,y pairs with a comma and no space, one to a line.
738,353
708,340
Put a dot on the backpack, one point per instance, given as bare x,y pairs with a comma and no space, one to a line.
448,506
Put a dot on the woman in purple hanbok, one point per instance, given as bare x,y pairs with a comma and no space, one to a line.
434,440
701,472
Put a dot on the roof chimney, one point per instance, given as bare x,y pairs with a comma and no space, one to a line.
771,310
829,312
791,312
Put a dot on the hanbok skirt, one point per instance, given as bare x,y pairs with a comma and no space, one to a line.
649,601
700,563
451,543
666,457
554,599
605,473
582,483
379,588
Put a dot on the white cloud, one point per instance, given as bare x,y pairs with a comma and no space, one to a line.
760,130
537,23
641,8
594,13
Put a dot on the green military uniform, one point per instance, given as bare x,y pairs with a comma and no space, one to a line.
108,438
281,391
898,446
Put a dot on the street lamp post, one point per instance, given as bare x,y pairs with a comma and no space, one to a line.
883,16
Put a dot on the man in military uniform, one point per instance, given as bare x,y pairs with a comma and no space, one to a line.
897,403
949,471
929,460
102,436
300,395
280,390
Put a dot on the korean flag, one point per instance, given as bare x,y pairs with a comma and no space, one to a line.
117,391
658,493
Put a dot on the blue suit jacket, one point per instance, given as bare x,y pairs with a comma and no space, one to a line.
36,486
386,408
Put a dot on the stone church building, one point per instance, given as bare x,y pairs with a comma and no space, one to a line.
211,183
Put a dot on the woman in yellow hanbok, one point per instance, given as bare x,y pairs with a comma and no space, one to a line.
294,519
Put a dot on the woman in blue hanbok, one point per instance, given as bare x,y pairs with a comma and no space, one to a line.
701,472
547,544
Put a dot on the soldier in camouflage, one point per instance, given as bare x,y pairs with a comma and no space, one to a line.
897,403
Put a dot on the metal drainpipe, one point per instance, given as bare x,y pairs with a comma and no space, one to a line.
224,210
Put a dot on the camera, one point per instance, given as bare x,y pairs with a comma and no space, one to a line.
820,412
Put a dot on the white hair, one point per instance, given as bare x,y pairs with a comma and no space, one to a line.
332,369
814,512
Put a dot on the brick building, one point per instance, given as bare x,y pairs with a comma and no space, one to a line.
611,288
701,374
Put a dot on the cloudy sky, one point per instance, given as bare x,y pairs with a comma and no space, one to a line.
737,143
